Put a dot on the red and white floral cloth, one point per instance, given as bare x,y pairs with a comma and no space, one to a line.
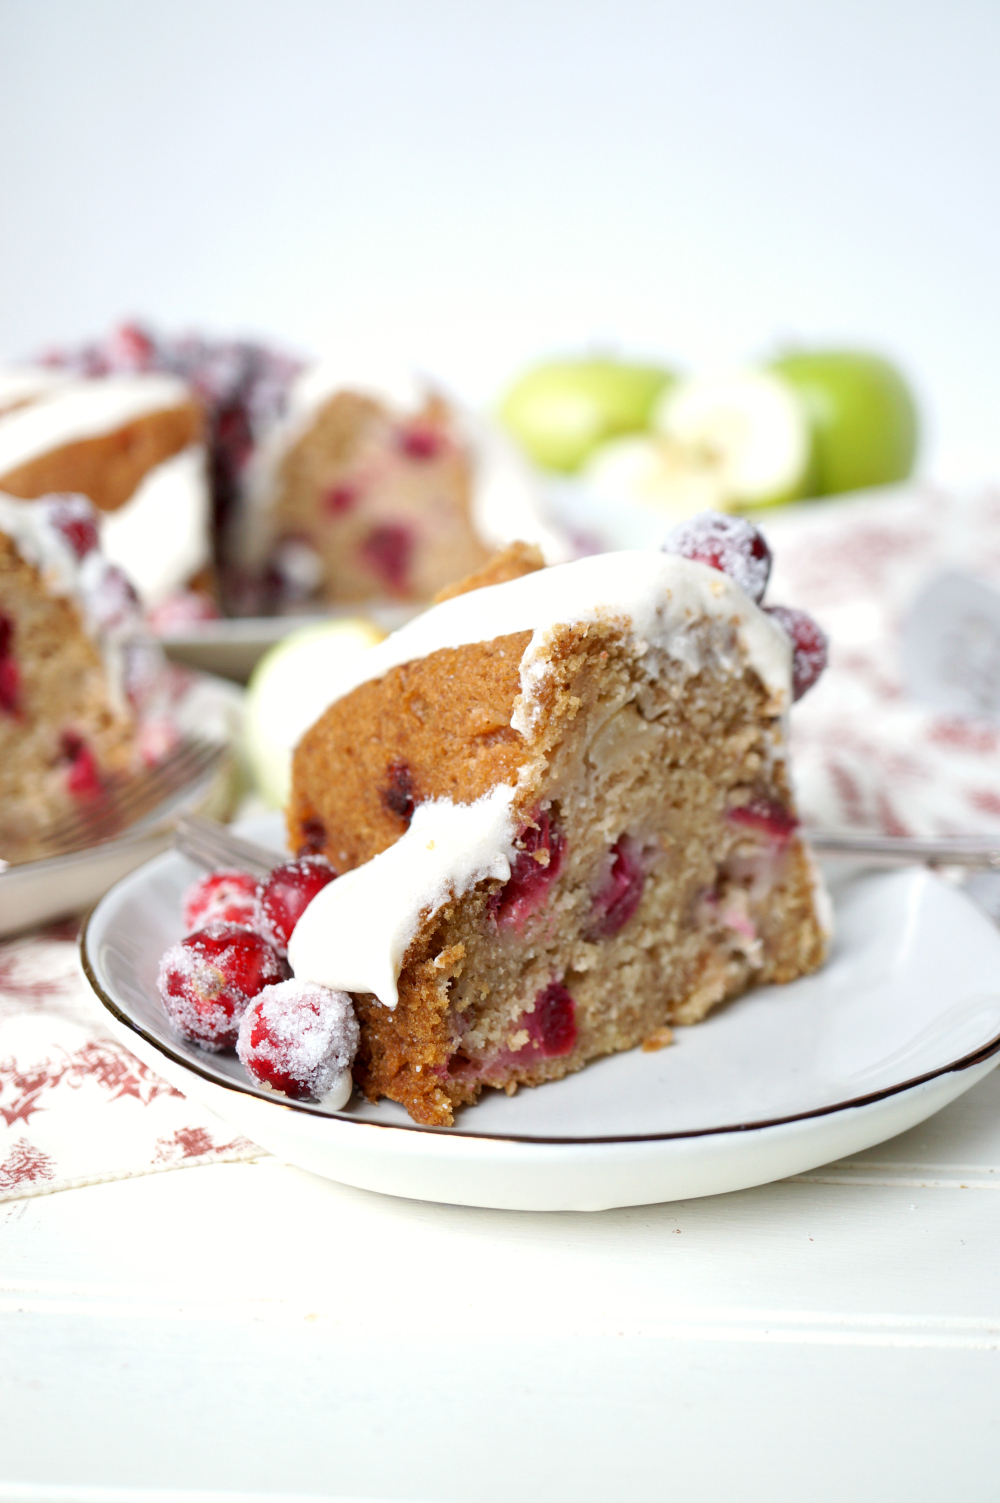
864,755
77,1108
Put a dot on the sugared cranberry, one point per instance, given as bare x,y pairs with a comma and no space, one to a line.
82,778
765,817
340,499
301,1039
132,348
313,833
809,644
730,544
284,896
222,897
421,442
207,980
10,674
388,550
74,518
618,897
185,608
552,1025
533,870
397,795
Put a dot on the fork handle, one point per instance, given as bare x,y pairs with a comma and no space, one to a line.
980,852
211,845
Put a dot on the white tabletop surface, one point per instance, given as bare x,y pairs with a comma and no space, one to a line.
250,1329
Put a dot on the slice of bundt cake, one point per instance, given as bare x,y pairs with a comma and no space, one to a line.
82,692
379,489
562,810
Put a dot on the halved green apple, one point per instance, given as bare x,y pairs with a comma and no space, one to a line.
561,411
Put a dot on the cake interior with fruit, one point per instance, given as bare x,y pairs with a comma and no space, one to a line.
84,696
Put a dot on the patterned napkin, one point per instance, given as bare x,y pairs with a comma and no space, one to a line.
76,1108
865,755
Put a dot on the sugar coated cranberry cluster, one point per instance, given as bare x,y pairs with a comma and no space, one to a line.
737,548
227,984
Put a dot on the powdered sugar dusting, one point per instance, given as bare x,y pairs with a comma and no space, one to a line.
206,981
220,897
730,544
300,1038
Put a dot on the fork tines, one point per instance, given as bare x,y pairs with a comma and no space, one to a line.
126,801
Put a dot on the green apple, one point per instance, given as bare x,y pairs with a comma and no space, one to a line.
561,411
862,415
289,689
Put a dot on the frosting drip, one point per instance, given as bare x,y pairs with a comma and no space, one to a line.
160,536
355,932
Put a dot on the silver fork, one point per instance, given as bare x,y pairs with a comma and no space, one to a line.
212,845
124,802
978,852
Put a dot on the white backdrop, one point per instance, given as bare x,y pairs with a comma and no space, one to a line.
474,182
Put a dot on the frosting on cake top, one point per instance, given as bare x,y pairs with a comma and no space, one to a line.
354,934
65,412
663,598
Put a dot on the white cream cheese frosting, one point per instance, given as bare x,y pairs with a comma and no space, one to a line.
66,412
663,597
160,537
354,934
22,384
357,928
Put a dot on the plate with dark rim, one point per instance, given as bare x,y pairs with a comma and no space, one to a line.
903,1018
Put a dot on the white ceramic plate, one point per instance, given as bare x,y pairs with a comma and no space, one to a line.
904,1018
36,892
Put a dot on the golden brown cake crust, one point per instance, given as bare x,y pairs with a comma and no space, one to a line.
109,468
512,562
404,738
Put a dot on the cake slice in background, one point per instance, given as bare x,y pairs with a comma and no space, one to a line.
84,697
330,484
563,812
132,442
375,486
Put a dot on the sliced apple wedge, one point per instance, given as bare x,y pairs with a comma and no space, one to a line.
289,689
749,427
656,471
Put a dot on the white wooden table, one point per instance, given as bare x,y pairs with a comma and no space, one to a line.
250,1329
